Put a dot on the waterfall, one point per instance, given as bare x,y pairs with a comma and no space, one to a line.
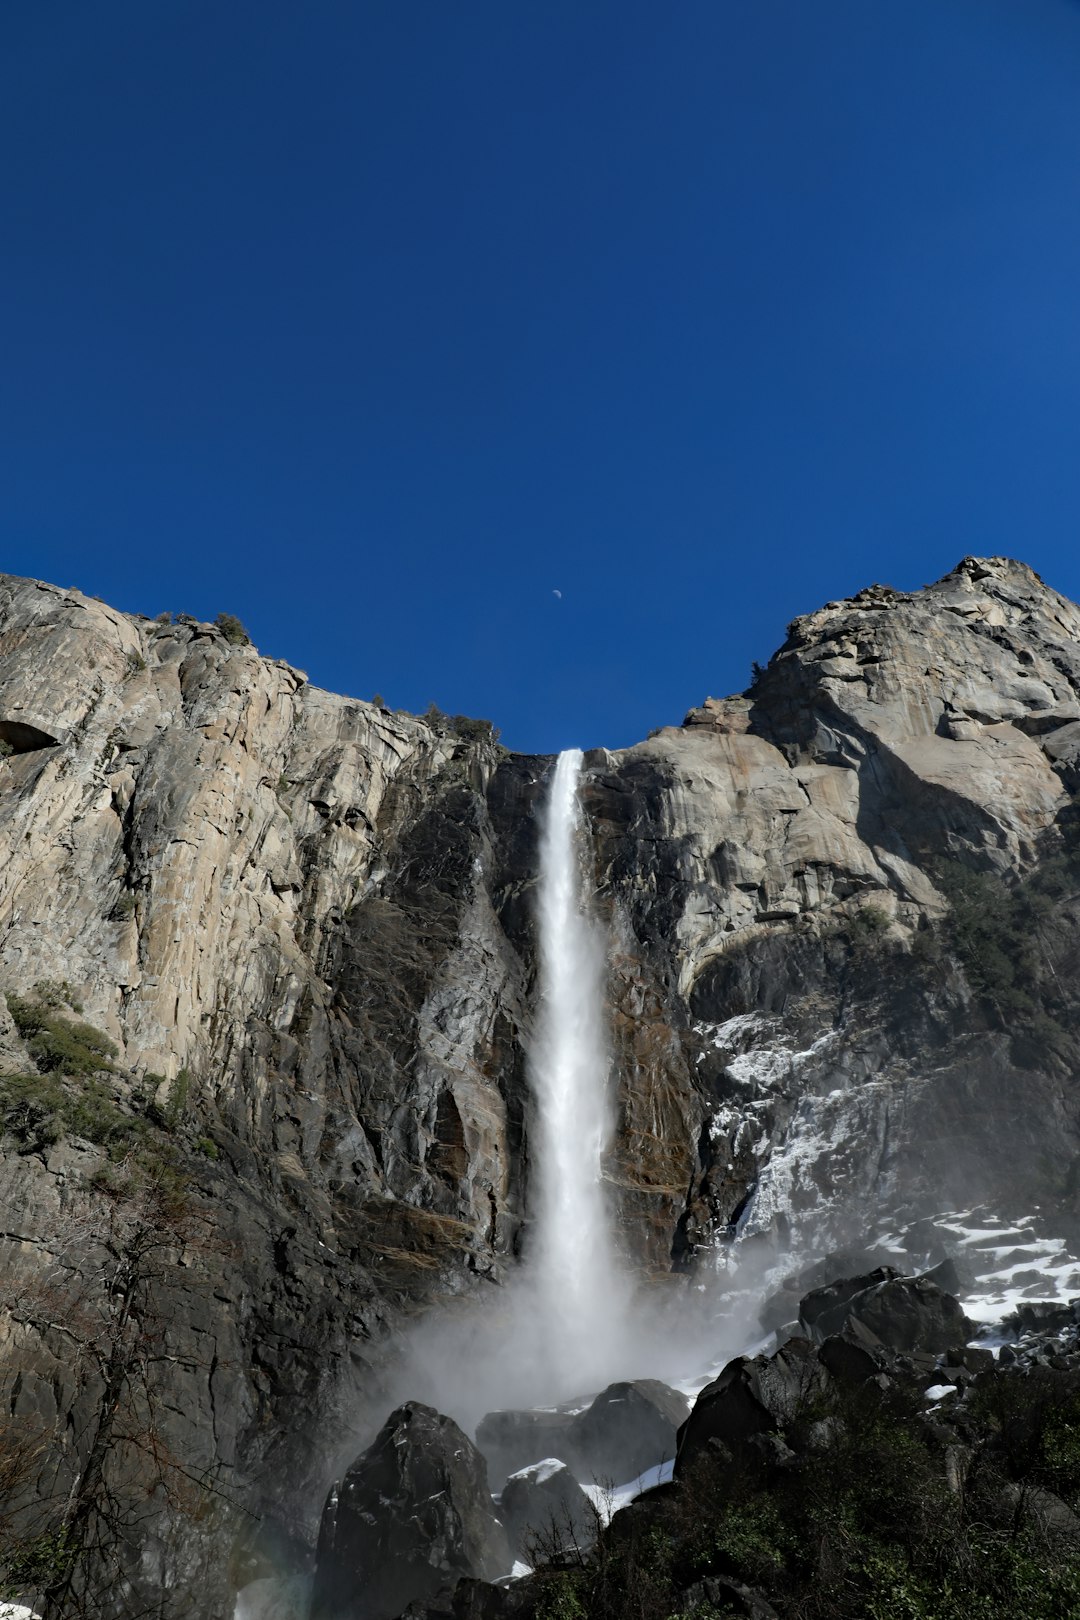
579,1284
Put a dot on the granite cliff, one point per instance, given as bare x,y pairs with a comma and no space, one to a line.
269,958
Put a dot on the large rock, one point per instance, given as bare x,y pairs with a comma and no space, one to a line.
544,1506
515,1439
909,1315
412,1515
629,1428
751,1397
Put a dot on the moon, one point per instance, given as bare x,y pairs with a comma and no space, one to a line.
558,594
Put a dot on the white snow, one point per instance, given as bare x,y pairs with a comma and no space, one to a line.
538,1472
936,1391
608,1500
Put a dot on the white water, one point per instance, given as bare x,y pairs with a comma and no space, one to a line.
578,1283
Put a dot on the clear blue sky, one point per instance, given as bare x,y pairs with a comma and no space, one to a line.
379,323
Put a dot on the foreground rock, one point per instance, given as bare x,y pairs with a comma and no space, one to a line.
544,1510
411,1517
801,1493
751,1397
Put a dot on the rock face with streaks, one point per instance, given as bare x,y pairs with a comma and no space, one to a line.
305,923
410,1518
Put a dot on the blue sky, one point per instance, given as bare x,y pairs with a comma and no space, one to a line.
379,324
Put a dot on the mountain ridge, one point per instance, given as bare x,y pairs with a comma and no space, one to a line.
305,925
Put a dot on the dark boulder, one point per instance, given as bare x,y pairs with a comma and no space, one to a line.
751,1397
848,1360
954,1275
909,1315
412,1515
825,1310
544,1506
629,1428
1043,1317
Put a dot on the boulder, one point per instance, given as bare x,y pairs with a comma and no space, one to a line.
512,1440
544,1504
412,1515
751,1397
907,1315
954,1275
824,1311
628,1428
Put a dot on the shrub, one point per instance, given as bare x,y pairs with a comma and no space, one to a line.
175,1107
56,1043
37,1110
232,630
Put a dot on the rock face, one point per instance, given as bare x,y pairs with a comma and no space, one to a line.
411,1517
306,925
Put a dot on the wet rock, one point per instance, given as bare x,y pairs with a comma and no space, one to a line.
412,1515
628,1428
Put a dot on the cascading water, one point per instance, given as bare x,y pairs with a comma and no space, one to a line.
579,1286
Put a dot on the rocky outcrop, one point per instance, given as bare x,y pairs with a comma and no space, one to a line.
305,922
752,1397
410,1518
629,1428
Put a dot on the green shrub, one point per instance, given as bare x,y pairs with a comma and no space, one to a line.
56,993
232,630
461,725
38,1109
60,1046
175,1107
56,1043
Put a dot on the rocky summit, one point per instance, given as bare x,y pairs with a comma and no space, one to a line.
269,964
